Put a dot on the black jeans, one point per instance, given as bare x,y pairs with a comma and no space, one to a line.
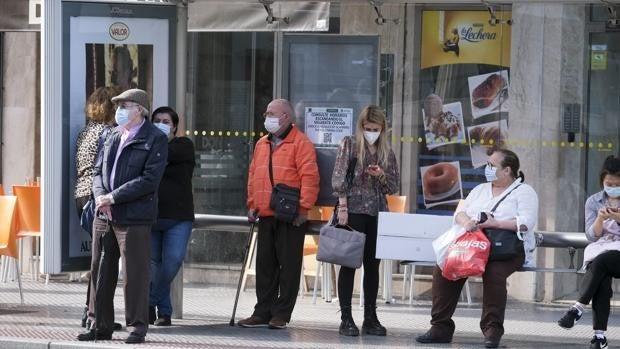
368,225
279,255
596,286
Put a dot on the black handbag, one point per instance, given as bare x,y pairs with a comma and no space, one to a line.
284,199
505,244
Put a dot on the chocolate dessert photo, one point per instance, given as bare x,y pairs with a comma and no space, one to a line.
488,93
441,183
443,124
484,138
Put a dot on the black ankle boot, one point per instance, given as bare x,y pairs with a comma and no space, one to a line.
371,324
347,325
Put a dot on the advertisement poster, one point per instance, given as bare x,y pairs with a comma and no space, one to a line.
459,37
464,93
326,127
109,50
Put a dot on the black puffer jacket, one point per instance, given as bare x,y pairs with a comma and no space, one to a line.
139,170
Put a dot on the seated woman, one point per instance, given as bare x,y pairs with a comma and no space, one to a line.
602,257
517,211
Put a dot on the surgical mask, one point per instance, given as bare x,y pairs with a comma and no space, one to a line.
121,116
163,127
272,125
613,192
371,137
490,172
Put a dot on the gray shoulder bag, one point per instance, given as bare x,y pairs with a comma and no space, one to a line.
341,244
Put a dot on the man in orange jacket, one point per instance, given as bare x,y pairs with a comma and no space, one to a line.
280,244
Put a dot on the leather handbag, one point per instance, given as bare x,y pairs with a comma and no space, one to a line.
505,244
284,199
88,216
342,245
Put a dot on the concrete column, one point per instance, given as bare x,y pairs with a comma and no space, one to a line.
546,71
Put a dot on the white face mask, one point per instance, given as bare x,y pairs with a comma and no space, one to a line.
613,192
272,124
163,127
121,116
490,172
371,137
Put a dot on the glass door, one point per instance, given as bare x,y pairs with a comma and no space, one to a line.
603,122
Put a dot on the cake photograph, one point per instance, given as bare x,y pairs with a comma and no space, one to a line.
484,138
488,93
441,183
443,123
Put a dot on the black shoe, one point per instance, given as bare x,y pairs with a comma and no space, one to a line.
93,334
491,341
117,327
371,324
85,317
134,338
152,315
570,318
598,343
348,328
163,320
429,338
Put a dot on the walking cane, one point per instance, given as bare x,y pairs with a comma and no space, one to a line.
245,260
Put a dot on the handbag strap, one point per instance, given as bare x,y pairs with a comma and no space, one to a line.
270,165
502,199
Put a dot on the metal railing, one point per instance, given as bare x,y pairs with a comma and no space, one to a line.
238,223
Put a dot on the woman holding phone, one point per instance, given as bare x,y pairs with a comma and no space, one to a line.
375,174
602,257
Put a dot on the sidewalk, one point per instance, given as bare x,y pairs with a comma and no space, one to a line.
50,318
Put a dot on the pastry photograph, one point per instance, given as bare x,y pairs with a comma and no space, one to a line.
485,138
441,183
443,124
488,93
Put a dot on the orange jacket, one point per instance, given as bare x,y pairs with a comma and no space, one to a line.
294,164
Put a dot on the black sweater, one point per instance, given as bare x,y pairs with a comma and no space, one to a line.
175,191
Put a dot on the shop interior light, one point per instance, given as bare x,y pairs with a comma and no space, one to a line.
494,20
270,17
613,21
380,20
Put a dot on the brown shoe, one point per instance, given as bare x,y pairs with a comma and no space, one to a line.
253,321
277,323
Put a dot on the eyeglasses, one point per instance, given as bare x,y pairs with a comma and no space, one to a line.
490,164
272,115
125,105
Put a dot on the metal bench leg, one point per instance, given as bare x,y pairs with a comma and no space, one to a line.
316,280
467,293
405,275
411,283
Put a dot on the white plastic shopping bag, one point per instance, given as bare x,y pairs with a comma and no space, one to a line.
443,242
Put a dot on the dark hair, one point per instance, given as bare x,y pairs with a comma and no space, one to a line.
511,160
173,115
611,166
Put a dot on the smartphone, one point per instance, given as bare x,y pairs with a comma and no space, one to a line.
373,167
612,209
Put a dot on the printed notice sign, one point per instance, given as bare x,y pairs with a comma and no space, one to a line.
326,127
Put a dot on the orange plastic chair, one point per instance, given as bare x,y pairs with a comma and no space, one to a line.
396,203
1,190
29,220
28,210
8,238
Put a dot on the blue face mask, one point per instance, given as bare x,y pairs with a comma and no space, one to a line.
163,127
490,173
613,192
121,116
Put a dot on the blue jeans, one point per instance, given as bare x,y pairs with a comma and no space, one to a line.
169,239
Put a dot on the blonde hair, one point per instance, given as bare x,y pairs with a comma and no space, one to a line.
373,114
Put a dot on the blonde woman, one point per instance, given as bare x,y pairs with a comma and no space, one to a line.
375,174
